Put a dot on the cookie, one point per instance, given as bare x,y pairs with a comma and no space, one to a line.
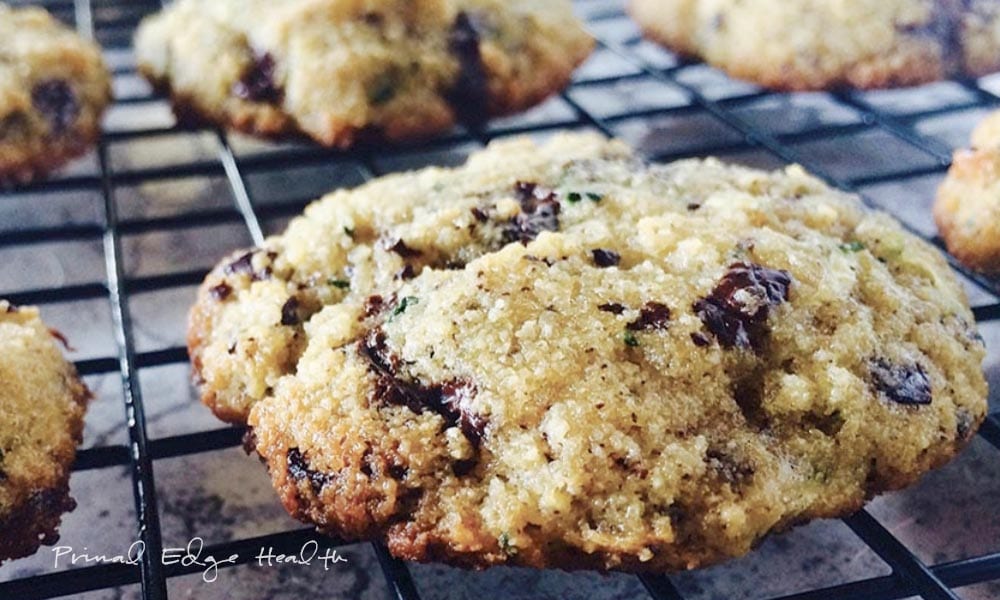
967,210
54,88
817,44
42,402
336,71
558,356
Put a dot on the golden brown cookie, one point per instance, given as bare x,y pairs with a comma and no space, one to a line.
967,210
558,356
818,44
42,402
336,71
54,88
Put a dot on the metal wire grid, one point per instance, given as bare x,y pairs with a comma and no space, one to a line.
627,60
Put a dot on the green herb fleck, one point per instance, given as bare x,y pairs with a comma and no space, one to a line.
404,304
505,544
630,339
595,197
349,231
573,197
339,283
850,247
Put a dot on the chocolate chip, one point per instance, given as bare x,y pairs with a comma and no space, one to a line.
736,311
480,215
700,339
400,248
611,307
653,315
606,258
374,305
299,470
963,424
539,212
243,264
249,441
405,273
290,312
257,83
461,468
735,472
220,292
901,383
57,102
693,206
450,399
469,96
11,308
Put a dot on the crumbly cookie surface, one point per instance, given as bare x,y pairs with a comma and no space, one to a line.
339,69
818,44
558,356
42,402
53,90
967,210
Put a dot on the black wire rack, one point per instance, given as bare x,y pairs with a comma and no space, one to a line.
667,107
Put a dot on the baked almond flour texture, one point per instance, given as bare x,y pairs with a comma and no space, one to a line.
558,356
42,402
340,70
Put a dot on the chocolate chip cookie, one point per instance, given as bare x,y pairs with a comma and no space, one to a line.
967,210
42,402
817,44
53,90
336,71
559,356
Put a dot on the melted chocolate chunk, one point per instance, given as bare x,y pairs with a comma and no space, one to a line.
736,311
606,258
653,315
243,264
220,292
903,384
469,96
299,470
249,441
403,250
57,102
612,307
374,305
405,273
290,312
257,83
12,308
539,212
450,399
700,339
480,215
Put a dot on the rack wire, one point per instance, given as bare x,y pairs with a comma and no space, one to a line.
705,114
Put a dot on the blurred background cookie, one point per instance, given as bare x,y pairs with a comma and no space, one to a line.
967,210
54,88
336,71
42,402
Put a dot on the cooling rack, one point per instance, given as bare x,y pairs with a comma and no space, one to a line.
892,147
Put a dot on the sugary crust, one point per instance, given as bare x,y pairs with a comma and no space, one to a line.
967,209
815,45
38,51
42,403
343,71
534,359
